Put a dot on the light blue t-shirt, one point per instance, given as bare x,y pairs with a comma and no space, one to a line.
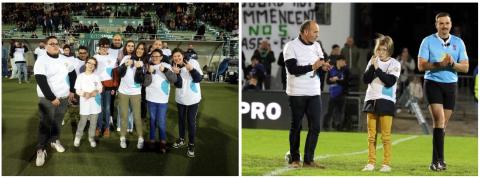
434,49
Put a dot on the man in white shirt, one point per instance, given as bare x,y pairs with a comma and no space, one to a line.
303,57
40,50
52,72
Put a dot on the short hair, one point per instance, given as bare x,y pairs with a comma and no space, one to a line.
50,37
335,46
82,47
340,57
157,51
103,41
383,40
96,62
178,50
441,14
67,46
305,25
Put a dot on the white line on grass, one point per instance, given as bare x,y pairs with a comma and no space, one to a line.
286,169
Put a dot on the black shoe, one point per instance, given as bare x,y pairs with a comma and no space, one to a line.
434,167
442,165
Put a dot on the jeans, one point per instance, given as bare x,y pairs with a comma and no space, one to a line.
311,106
336,107
22,67
190,112
4,68
50,121
158,114
105,114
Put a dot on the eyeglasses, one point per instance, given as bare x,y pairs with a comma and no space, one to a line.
82,52
53,44
91,63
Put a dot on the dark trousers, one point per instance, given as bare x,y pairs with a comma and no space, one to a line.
190,113
50,121
336,107
311,106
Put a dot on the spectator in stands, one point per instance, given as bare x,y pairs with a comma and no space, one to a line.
96,28
258,70
407,70
266,57
140,29
200,33
334,54
221,36
4,60
251,84
337,79
352,54
34,35
17,53
40,50
191,53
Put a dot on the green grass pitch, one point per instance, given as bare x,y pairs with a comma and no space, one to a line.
216,145
344,153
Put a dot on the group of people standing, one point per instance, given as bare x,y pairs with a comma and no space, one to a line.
441,56
140,78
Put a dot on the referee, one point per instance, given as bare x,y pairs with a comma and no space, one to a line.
303,56
441,56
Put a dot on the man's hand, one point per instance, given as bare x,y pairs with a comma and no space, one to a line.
56,102
317,64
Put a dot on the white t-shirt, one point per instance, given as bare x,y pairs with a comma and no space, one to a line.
159,90
105,65
376,89
77,63
89,83
56,70
18,54
114,52
303,85
128,86
167,52
190,92
38,51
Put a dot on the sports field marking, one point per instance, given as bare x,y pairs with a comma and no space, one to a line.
286,168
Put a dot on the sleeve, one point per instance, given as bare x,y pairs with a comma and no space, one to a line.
139,75
72,77
44,87
329,75
369,74
463,52
78,85
179,81
423,52
288,52
196,73
122,69
147,80
171,77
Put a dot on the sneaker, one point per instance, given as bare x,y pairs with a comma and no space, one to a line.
434,167
442,165
93,144
63,122
163,147
118,129
123,142
140,143
399,111
106,133
191,150
58,146
294,165
129,130
313,165
97,132
76,142
179,143
369,167
385,168
41,155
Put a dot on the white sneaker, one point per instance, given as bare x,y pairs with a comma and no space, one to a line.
140,143
63,122
130,130
76,142
369,167
93,144
41,155
58,146
123,142
118,129
385,168
399,111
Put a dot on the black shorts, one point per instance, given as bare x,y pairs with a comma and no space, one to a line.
441,93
